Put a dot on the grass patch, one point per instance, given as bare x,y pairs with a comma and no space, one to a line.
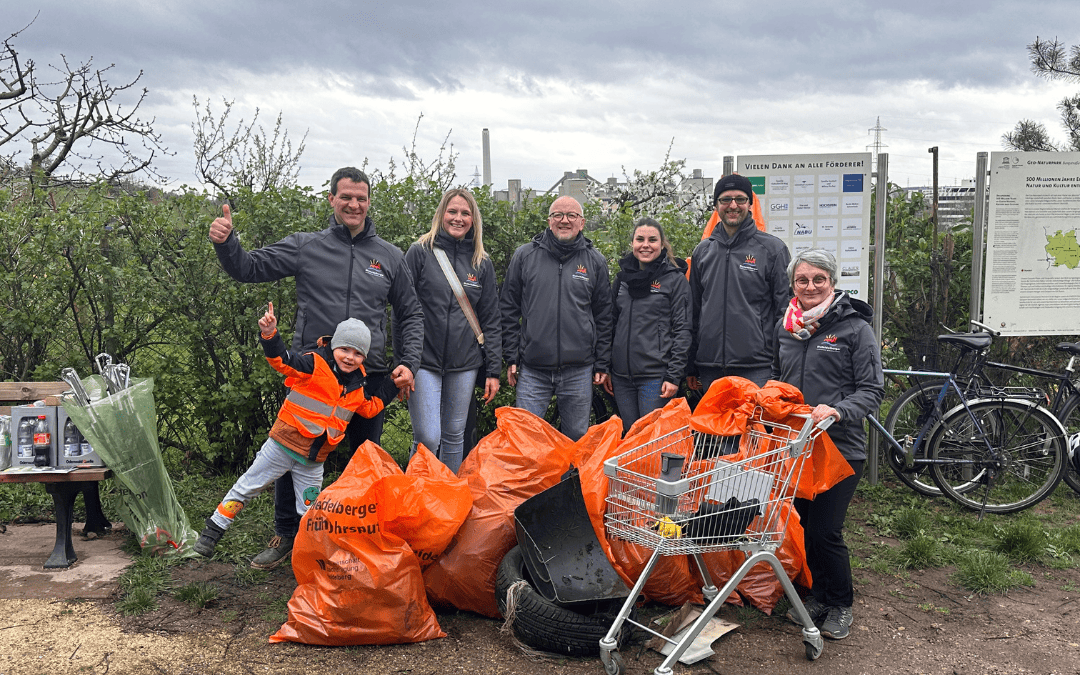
149,573
911,523
138,601
26,503
1067,539
278,610
197,595
921,551
1021,540
246,575
988,572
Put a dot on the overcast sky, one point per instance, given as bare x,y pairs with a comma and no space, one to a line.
568,85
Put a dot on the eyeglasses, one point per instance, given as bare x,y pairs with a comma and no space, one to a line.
738,200
803,282
559,216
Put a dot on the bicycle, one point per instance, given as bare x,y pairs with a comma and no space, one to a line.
992,454
912,407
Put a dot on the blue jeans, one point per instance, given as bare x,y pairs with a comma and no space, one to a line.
571,385
637,397
360,429
439,408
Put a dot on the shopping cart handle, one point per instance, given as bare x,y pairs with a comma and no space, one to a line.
822,425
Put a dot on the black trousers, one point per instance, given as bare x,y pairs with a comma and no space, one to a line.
823,534
360,429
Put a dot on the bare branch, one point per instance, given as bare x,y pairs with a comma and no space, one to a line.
243,158
80,118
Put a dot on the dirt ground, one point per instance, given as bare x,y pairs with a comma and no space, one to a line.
916,623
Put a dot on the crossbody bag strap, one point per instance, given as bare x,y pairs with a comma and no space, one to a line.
459,292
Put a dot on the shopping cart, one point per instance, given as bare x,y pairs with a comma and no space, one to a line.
690,493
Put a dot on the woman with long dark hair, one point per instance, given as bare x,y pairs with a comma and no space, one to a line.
652,324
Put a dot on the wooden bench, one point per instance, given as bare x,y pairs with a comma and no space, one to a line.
63,487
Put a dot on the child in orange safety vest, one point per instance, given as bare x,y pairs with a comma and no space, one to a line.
326,386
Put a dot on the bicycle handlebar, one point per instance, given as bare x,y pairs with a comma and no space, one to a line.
984,327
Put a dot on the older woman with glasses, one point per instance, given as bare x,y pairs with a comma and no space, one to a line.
826,348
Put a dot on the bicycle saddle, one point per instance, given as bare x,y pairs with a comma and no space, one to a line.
1070,347
975,341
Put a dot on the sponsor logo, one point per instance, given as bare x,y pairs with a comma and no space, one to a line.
828,344
581,273
374,268
471,281
655,287
310,494
749,263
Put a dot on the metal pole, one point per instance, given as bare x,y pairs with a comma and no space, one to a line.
935,258
881,207
978,228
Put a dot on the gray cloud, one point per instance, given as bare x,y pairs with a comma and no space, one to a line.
708,73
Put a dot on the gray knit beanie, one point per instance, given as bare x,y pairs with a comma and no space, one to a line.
352,333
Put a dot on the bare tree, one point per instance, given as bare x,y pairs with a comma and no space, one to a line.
74,119
243,157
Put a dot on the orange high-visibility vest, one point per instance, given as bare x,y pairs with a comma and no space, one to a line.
315,404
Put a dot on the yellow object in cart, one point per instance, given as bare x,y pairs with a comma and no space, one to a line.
667,528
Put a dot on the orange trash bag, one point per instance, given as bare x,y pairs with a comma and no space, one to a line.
523,457
359,554
671,582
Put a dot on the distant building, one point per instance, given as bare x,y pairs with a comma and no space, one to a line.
695,191
956,203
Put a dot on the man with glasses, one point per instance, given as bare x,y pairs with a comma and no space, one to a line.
344,271
739,286
556,319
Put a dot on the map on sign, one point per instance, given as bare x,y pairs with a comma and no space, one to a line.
1063,249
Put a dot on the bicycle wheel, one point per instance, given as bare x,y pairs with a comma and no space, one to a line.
906,418
1023,464
1069,416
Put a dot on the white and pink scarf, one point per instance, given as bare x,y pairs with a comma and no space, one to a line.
803,323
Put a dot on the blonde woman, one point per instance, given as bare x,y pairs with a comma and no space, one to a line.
453,354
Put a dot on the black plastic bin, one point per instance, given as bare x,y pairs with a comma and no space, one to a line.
565,560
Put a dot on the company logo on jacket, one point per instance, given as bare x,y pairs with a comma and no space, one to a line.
828,344
581,273
470,280
655,287
374,268
749,263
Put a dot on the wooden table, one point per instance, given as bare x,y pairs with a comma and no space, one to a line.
64,487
